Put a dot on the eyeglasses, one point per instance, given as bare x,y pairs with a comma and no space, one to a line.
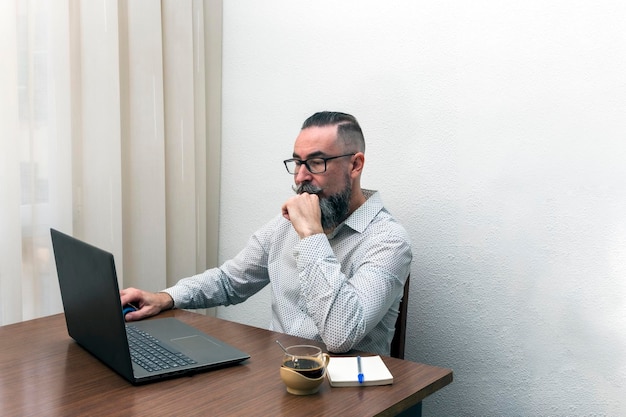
314,165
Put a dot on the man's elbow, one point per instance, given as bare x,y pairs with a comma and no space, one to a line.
336,347
340,342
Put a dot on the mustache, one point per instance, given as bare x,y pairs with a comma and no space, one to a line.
306,188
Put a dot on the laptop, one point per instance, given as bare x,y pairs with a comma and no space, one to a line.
93,313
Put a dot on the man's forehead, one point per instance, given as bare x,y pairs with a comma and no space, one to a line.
316,141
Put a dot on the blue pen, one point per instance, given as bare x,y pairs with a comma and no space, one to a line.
358,362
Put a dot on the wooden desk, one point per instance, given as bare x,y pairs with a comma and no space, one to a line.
44,372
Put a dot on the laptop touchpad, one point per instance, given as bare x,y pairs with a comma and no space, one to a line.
195,343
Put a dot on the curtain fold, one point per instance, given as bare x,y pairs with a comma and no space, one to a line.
10,218
104,136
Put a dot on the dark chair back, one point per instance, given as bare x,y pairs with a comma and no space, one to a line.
397,344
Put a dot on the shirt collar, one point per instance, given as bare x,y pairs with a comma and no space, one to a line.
363,216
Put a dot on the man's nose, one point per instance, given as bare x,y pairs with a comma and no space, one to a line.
303,175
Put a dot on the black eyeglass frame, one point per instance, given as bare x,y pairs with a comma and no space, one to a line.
300,162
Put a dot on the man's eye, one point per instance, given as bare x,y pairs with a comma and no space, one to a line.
316,163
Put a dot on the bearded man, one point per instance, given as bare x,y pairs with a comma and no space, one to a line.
336,260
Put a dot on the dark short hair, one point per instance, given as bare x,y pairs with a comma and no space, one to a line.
348,129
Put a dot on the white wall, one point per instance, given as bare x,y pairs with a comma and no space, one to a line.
496,132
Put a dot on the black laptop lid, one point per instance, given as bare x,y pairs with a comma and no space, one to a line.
91,300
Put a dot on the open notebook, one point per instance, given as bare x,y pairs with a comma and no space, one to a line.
343,371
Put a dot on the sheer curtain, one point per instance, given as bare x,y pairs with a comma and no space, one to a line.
110,132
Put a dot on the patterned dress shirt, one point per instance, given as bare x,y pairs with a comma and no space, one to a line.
342,289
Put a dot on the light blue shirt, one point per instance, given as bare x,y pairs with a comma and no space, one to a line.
342,289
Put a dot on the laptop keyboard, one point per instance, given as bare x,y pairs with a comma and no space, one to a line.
146,352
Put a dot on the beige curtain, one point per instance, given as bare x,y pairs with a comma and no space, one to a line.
110,132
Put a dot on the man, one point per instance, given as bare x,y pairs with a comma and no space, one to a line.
336,260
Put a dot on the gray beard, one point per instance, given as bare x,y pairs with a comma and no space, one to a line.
334,208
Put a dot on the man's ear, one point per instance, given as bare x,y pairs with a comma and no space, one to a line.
357,164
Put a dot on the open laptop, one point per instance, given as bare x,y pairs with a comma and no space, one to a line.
94,317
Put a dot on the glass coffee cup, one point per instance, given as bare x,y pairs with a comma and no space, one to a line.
303,369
